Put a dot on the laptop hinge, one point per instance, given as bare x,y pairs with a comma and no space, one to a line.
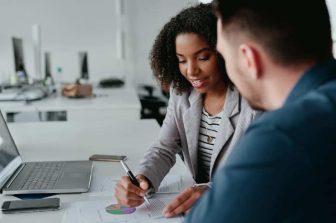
12,178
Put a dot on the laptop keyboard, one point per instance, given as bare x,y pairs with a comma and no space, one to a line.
42,176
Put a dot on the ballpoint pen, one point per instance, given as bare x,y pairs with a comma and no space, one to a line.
132,177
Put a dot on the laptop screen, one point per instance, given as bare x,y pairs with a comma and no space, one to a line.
8,150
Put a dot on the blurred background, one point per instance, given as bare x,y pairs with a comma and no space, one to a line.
117,34
96,40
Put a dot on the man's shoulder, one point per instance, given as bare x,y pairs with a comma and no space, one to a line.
317,105
307,124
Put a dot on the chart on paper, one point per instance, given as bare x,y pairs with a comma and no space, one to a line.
95,212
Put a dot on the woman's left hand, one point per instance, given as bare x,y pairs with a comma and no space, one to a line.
184,201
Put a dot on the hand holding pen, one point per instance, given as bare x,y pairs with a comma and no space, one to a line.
130,190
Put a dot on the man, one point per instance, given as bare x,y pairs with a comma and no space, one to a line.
279,55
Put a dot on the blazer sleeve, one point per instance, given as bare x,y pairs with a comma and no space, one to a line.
264,175
161,155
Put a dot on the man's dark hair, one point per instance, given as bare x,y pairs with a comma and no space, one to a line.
291,31
199,20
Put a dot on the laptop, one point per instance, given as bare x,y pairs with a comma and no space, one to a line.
18,177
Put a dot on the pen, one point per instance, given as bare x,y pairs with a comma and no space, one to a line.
132,177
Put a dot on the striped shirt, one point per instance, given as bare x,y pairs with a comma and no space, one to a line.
206,141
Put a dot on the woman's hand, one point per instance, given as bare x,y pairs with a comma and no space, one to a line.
184,201
128,194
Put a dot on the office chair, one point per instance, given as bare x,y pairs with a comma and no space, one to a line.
152,106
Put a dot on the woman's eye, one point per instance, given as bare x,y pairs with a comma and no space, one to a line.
204,58
181,61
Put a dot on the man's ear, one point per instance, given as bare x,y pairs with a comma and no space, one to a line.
249,59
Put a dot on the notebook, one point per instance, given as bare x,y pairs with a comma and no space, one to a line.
18,177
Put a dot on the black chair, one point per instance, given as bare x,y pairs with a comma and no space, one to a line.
152,106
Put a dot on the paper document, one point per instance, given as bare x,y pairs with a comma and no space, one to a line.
94,212
155,208
170,184
103,184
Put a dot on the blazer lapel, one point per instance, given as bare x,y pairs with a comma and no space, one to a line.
231,108
192,119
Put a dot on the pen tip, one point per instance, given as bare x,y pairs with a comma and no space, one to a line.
146,199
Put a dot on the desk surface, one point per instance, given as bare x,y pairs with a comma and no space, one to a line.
73,141
107,103
115,98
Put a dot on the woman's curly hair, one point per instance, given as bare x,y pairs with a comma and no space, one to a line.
164,63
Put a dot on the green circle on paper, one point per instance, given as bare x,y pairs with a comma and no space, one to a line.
119,209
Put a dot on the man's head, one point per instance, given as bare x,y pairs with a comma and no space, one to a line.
256,36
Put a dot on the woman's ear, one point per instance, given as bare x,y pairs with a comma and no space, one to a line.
249,59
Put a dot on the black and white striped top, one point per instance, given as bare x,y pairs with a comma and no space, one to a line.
206,141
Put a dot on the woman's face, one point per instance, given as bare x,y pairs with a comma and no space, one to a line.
198,63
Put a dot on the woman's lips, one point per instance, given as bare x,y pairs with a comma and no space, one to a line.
197,83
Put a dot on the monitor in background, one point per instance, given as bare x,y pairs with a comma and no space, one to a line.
48,78
36,37
83,66
19,64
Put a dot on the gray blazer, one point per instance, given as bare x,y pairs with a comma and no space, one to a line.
180,132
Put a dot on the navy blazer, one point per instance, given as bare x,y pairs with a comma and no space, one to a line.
284,168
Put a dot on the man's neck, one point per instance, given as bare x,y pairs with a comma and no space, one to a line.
280,83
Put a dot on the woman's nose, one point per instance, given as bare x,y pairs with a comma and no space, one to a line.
192,69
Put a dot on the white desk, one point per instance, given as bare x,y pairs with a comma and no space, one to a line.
111,103
71,141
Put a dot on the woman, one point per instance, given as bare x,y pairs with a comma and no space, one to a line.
205,116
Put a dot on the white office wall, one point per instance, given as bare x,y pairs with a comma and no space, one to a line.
67,26
70,26
147,18
332,11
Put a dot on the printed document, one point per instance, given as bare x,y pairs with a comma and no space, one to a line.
94,212
170,184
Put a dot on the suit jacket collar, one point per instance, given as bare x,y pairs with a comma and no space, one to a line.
312,78
226,130
192,117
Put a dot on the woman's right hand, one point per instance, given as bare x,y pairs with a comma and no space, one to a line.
128,194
